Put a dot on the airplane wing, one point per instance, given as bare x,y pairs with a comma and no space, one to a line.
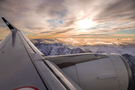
24,67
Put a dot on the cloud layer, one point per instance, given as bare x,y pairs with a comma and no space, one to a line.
65,18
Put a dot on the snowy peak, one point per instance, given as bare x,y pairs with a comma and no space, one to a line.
58,49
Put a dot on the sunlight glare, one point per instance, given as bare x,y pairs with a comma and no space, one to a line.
85,24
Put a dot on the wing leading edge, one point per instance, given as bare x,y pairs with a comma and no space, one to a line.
22,64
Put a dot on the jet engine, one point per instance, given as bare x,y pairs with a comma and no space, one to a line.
96,71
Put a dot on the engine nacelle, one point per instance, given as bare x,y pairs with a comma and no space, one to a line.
96,71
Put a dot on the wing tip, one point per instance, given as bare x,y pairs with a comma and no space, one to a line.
10,26
2,17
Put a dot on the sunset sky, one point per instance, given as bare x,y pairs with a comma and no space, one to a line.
101,19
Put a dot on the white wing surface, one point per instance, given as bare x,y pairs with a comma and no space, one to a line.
23,66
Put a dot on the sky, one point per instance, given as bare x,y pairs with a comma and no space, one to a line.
98,19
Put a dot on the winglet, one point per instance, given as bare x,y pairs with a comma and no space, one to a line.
10,26
13,30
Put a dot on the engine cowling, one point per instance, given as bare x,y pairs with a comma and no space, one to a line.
96,71
109,73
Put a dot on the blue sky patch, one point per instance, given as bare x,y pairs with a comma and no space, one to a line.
54,22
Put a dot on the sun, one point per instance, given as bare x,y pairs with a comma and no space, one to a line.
85,23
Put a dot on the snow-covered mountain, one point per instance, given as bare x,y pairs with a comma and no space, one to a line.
60,49
57,49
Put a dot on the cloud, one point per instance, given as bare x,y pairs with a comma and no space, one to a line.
63,31
45,32
116,28
61,17
4,32
52,8
117,9
94,35
54,32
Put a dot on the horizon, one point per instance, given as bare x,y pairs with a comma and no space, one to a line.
85,41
